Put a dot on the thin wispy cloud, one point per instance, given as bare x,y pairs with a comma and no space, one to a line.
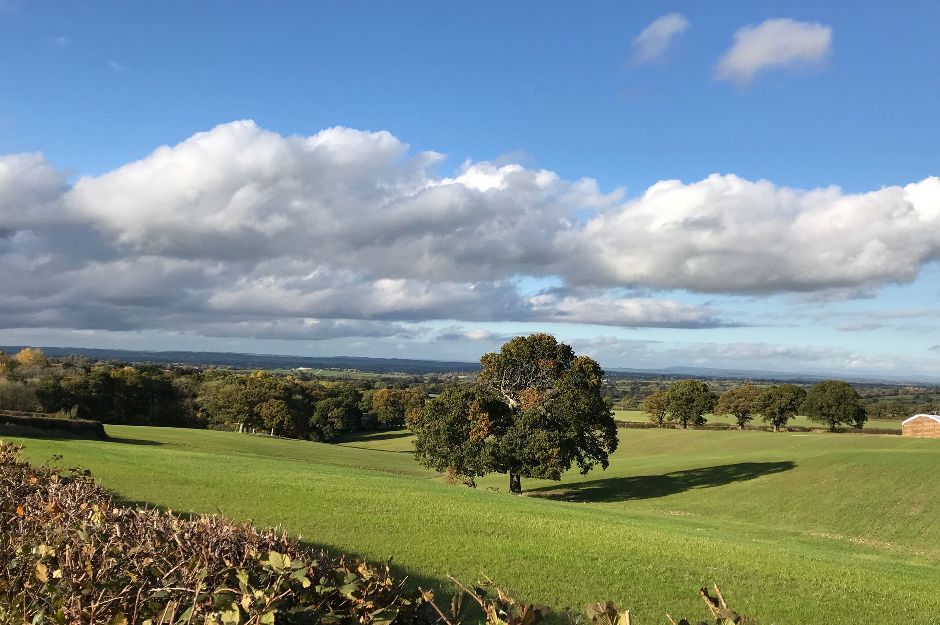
653,43
114,66
58,42
775,43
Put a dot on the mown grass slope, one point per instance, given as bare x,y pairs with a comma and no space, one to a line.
798,528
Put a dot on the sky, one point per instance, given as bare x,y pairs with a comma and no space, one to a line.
733,185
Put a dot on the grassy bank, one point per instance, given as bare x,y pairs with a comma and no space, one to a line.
799,528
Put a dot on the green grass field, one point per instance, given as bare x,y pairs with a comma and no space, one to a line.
798,529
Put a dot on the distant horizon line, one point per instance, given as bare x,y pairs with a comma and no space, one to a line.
674,370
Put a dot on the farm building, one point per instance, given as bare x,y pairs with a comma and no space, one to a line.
924,425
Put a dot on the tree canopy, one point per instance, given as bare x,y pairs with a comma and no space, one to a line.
656,405
779,403
552,415
457,432
688,401
834,403
740,402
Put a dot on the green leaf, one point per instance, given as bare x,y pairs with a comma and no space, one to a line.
268,617
349,589
231,616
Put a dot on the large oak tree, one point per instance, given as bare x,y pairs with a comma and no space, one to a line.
835,403
553,415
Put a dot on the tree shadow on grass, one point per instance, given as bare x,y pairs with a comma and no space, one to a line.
371,436
133,441
652,486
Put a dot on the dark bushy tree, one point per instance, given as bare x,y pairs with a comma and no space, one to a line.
834,403
780,403
456,432
335,416
569,423
688,401
740,402
556,414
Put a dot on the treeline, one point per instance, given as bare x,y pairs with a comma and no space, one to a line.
281,405
832,403
881,401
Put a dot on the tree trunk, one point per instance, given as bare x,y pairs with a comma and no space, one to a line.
515,483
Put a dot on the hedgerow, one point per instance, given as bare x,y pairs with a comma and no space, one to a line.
70,554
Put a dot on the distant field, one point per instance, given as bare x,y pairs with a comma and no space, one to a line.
639,415
799,529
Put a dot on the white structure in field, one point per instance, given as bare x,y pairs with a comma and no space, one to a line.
923,425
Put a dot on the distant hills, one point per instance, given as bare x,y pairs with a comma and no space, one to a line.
262,361
779,376
420,367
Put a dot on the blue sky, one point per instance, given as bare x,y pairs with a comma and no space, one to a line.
802,96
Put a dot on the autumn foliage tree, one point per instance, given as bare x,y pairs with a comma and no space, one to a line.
740,402
656,406
457,431
552,415
391,407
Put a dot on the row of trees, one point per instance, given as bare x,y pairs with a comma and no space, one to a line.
833,403
285,406
189,397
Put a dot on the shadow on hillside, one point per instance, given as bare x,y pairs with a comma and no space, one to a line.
133,441
381,436
652,486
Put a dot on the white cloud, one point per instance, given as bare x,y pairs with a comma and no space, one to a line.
341,197
116,67
30,190
780,42
652,44
609,309
725,234
240,230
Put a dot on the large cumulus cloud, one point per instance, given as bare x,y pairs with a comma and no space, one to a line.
725,234
239,231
